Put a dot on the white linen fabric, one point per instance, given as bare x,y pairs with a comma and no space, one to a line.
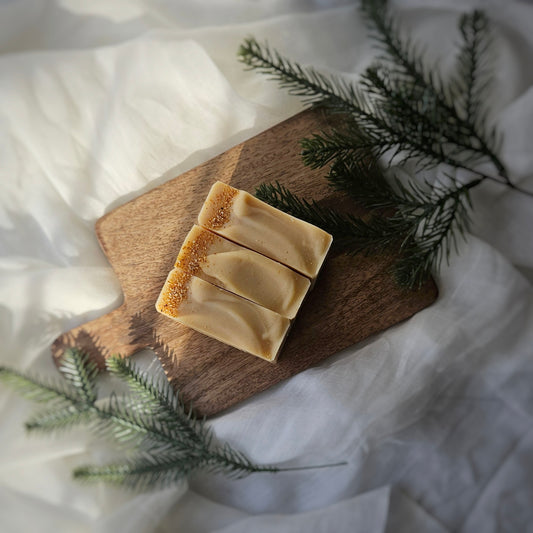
101,101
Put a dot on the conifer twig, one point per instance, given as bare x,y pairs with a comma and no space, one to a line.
402,109
164,442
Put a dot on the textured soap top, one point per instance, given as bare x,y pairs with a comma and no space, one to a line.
242,218
242,271
222,315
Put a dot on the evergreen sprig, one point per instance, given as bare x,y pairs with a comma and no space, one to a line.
164,442
401,109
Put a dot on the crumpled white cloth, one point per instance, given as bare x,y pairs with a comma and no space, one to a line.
101,101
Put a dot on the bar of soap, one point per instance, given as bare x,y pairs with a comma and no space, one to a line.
242,271
242,218
222,315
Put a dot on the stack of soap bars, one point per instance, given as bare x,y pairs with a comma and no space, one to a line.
243,272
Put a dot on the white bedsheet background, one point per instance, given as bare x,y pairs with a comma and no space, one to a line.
101,101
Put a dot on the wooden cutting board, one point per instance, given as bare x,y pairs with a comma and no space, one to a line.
354,297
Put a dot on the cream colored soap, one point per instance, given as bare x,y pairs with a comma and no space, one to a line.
222,315
242,218
242,271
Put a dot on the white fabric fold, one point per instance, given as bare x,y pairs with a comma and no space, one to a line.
102,101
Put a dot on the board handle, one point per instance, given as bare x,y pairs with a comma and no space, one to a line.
107,335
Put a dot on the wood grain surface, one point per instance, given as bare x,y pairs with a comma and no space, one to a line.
354,297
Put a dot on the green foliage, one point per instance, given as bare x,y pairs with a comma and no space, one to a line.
315,88
400,110
163,443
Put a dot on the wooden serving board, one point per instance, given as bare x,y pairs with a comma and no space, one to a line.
354,297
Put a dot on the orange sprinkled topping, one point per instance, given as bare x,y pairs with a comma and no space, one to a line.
194,250
221,207
175,291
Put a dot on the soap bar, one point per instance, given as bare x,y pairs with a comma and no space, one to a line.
222,315
242,271
242,218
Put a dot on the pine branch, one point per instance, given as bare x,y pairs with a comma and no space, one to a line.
119,418
471,86
147,471
417,130
343,144
473,77
326,147
400,52
155,398
425,226
54,420
66,403
437,220
38,390
315,88
401,110
143,473
412,116
407,132
362,178
81,372
407,65
164,443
